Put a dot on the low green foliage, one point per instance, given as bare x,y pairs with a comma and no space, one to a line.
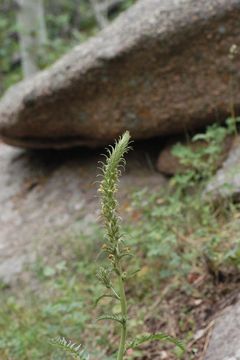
179,224
201,163
178,238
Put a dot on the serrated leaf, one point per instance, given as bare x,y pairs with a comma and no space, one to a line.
125,254
115,317
68,346
105,296
199,137
132,274
153,337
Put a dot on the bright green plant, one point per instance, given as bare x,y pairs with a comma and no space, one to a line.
179,216
114,276
201,163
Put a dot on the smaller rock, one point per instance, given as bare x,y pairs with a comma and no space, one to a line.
224,343
226,183
169,164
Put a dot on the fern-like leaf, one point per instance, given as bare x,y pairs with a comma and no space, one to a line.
115,317
153,337
106,296
68,346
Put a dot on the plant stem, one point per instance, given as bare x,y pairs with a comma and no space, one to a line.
123,302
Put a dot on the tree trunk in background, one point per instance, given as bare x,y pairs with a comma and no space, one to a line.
42,29
101,8
100,13
32,33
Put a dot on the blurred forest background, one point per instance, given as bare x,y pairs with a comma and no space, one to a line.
62,24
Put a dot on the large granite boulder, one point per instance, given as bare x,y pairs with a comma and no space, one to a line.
160,68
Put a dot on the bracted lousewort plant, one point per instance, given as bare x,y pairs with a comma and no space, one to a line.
114,276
